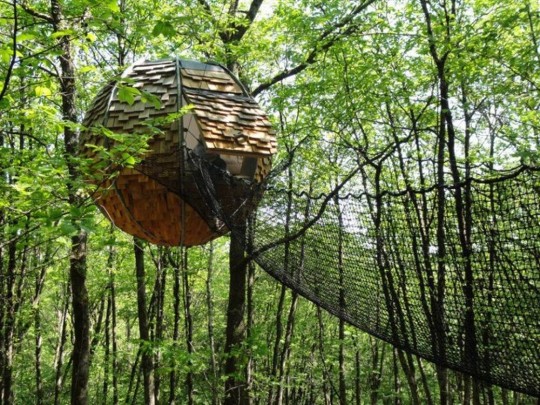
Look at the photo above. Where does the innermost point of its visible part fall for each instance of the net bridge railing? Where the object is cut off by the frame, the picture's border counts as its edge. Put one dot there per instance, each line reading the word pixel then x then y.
pixel 450 273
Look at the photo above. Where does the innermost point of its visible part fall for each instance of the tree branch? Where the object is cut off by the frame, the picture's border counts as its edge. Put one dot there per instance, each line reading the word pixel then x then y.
pixel 325 36
pixel 225 37
pixel 206 6
pixel 430 34
pixel 7 79
pixel 254 9
pixel 35 13
pixel 239 30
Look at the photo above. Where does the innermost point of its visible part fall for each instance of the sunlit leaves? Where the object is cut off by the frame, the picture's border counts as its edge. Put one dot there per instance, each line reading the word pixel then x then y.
pixel 164 28
pixel 127 94
pixel 63 33
pixel 42 91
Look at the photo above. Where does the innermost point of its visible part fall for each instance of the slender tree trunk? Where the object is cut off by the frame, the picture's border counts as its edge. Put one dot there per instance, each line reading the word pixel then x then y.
pixel 2 327
pixel 342 304
pixel 286 351
pixel 188 320
pixel 37 353
pixel 440 61
pixel 146 361
pixel 2 284
pixel 134 378
pixel 161 277
pixel 277 362
pixel 113 338
pixel 407 365
pixel 81 323
pixel 235 385
pixel 9 326
pixel 279 326
pixel 377 363
pixel 357 382
pixel 326 374
pixel 210 314
pixel 40 280
pixel 250 310
pixel 107 354
pixel 59 353
pixel 108 332
pixel 397 382
pixel 77 265
pixel 176 325
pixel 98 324
pixel 13 279
pixel 476 391
pixel 425 385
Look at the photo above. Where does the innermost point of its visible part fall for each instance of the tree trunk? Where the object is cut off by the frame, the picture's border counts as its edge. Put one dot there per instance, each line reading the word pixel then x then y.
pixel 357 383
pixel 377 362
pixel 427 390
pixel 342 304
pixel 326 374
pixel 285 354
pixel 113 339
pixel 77 262
pixel 37 353
pixel 2 326
pixel 176 326
pixel 59 353
pixel 235 385
pixel 9 326
pixel 439 316
pixel 278 328
pixel 107 354
pixel 276 361
pixel 146 361
pixel 250 314
pixel 397 382
pixel 188 320
pixel 109 334
pixel 40 280
pixel 161 277
pixel 81 323
pixel 210 309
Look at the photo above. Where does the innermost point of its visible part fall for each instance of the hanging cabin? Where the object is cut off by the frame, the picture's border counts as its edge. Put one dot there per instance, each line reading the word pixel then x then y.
pixel 158 199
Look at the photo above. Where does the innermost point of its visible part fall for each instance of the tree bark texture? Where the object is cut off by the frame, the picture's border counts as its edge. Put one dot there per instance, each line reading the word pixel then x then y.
pixel 146 356
pixel 235 385
pixel 77 264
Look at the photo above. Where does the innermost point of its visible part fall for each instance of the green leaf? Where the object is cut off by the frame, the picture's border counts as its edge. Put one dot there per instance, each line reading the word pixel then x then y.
pixel 130 161
pixel 67 228
pixel 164 28
pixel 62 33
pixel 86 69
pixel 150 98
pixel 113 6
pixel 42 91
pixel 127 94
pixel 25 36
pixel 91 37
pixel 5 55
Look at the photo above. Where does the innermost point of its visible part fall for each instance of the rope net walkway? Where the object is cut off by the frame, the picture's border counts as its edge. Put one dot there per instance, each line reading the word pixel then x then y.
pixel 461 290
pixel 372 261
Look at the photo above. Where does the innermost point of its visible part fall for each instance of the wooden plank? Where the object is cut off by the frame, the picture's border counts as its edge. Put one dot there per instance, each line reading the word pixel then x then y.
pixel 220 74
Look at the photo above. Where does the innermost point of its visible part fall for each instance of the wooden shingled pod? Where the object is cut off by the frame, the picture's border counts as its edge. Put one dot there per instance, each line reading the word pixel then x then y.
pixel 157 200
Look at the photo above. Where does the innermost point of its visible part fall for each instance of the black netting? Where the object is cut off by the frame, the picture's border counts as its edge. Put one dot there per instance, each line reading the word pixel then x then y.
pixel 459 286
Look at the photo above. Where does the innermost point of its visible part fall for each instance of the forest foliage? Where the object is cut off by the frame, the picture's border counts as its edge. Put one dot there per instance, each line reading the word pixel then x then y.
pixel 87 315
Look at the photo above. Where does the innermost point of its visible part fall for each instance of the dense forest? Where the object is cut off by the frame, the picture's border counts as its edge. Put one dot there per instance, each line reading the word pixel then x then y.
pixel 405 94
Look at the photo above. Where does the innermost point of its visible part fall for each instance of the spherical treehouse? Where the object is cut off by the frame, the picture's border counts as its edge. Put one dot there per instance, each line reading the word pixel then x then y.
pixel 159 199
